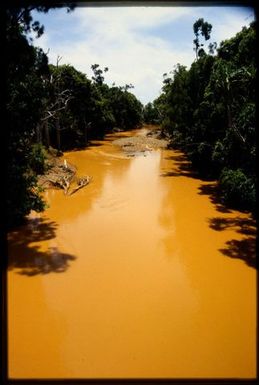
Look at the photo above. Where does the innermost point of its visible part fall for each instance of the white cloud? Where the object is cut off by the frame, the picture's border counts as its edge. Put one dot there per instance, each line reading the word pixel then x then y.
pixel 118 38
pixel 130 18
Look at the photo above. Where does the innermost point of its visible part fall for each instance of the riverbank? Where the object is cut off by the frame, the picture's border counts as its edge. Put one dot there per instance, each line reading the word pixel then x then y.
pixel 60 173
pixel 57 171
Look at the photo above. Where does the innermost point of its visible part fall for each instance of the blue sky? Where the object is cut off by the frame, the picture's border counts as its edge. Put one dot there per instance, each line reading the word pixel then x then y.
pixel 137 44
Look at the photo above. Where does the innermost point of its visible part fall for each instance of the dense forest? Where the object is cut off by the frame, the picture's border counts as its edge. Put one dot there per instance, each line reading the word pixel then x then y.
pixel 51 106
pixel 209 112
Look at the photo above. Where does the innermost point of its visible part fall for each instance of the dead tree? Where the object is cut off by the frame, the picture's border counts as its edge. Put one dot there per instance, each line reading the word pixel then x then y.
pixel 52 109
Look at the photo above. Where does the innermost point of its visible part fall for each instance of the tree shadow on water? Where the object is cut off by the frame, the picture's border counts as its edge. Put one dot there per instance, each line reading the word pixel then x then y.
pixel 246 226
pixel 245 248
pixel 28 259
pixel 212 190
pixel 181 166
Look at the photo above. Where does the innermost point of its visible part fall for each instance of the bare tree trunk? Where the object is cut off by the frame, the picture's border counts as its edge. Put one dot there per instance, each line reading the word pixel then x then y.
pixel 231 124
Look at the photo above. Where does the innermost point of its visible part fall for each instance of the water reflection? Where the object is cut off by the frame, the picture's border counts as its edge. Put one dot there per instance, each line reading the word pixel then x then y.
pixel 100 165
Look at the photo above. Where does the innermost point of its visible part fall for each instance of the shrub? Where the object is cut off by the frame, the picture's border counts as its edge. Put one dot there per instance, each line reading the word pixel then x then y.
pixel 37 159
pixel 237 189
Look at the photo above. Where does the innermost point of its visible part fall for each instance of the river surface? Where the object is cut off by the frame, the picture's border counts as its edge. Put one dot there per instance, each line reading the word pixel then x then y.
pixel 142 273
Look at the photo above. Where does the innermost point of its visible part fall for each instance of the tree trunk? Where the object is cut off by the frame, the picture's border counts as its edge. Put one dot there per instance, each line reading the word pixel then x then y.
pixel 230 120
pixel 58 134
pixel 232 126
pixel 86 136
pixel 46 128
pixel 38 134
pixel 86 132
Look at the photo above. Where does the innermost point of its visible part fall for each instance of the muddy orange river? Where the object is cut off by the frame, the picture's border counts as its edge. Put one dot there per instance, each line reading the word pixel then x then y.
pixel 140 274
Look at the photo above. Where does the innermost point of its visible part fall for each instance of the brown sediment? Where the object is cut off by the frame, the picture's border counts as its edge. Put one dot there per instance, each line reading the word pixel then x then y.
pixel 141 143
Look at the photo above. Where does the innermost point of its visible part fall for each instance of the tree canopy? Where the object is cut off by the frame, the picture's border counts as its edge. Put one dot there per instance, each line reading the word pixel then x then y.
pixel 51 105
pixel 209 112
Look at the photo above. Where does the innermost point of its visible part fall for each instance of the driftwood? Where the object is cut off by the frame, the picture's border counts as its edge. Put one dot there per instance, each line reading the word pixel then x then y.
pixel 64 183
pixel 61 182
pixel 62 175
pixel 80 184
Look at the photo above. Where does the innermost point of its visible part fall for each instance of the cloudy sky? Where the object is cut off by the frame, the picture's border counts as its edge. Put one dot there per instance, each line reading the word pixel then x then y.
pixel 137 44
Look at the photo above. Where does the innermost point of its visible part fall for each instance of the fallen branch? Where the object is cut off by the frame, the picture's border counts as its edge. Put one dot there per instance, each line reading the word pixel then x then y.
pixel 61 182
pixel 66 183
pixel 80 184
pixel 63 175
pixel 59 175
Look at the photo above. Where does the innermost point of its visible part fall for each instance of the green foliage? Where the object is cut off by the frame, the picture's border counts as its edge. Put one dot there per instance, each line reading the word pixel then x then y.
pixel 151 114
pixel 177 100
pixel 240 49
pixel 237 189
pixel 209 112
pixel 202 28
pixel 87 109
pixel 125 107
pixel 37 159
pixel 56 106
pixel 98 78
pixel 26 66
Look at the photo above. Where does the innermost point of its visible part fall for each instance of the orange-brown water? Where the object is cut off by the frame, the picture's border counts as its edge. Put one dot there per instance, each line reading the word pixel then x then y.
pixel 139 274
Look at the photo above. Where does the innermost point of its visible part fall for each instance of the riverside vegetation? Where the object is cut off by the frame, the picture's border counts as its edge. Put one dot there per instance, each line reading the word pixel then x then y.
pixel 208 111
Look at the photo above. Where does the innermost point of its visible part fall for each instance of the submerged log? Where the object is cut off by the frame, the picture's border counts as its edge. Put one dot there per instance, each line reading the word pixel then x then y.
pixel 80 184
